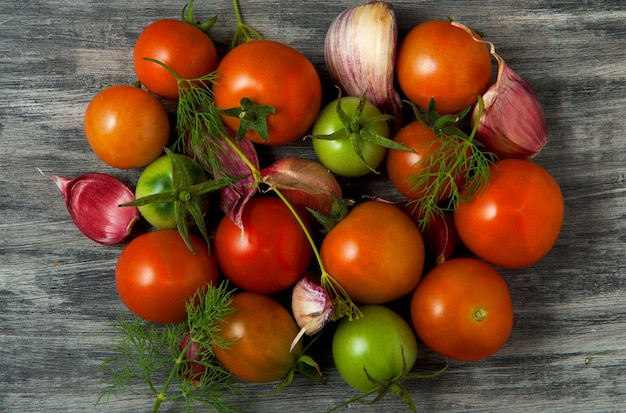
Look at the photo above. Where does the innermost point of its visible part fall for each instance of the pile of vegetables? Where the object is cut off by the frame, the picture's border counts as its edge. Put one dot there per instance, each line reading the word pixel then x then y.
pixel 242 263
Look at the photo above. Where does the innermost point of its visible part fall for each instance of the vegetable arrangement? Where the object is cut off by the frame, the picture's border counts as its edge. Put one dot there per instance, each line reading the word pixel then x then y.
pixel 247 263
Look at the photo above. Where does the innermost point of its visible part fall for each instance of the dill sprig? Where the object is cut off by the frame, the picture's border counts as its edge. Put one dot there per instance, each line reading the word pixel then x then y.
pixel 152 354
pixel 455 168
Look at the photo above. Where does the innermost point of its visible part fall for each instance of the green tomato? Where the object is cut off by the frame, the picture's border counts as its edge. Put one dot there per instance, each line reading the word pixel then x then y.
pixel 339 155
pixel 156 178
pixel 381 343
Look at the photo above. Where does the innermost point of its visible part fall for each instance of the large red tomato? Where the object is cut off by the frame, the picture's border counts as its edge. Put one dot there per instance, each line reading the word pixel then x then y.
pixel 183 47
pixel 261 331
pixel 156 274
pixel 462 309
pixel 439 60
pixel 376 253
pixel 270 73
pixel 516 219
pixel 269 253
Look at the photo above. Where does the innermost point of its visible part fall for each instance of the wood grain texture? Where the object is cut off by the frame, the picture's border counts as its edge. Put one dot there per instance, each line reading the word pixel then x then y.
pixel 567 352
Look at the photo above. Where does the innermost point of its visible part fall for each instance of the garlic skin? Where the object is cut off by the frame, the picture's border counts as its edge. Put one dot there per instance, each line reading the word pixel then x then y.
pixel 360 54
pixel 93 200
pixel 304 182
pixel 311 306
pixel 513 124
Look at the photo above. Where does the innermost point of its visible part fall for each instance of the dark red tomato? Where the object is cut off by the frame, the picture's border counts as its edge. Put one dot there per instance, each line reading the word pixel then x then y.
pixel 156 275
pixel 516 219
pixel 270 73
pixel 462 309
pixel 376 253
pixel 439 60
pixel 269 253
pixel 186 49
pixel 404 167
pixel 126 126
pixel 261 331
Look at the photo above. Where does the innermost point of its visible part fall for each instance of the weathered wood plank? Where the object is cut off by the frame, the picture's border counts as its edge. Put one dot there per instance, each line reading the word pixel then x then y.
pixel 57 293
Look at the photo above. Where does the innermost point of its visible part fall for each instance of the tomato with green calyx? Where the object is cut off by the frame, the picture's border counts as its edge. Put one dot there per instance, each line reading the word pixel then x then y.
pixel 261 331
pixel 269 252
pixel 438 60
pixel 462 309
pixel 274 76
pixel 375 353
pixel 351 136
pixel 156 274
pixel 126 126
pixel 173 189
pixel 516 220
pixel 376 253
pixel 182 45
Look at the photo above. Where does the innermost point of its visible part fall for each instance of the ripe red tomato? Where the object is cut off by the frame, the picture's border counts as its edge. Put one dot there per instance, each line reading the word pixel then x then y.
pixel 186 49
pixel 516 219
pixel 269 253
pixel 270 73
pixel 439 60
pixel 261 331
pixel 462 309
pixel 156 274
pixel 126 126
pixel 404 166
pixel 376 253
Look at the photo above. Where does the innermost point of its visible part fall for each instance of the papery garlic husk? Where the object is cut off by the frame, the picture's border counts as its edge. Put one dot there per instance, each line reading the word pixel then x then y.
pixel 513 123
pixel 304 182
pixel 311 306
pixel 360 54
pixel 93 201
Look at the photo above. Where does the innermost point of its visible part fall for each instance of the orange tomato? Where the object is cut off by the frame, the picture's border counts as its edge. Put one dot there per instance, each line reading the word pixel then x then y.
pixel 376 253
pixel 439 60
pixel 126 126
pixel 462 309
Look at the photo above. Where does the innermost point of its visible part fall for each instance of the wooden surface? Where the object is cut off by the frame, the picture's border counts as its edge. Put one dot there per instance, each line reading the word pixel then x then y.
pixel 567 351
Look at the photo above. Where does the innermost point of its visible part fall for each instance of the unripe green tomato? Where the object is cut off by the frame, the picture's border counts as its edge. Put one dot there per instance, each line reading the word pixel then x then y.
pixel 339 155
pixel 157 178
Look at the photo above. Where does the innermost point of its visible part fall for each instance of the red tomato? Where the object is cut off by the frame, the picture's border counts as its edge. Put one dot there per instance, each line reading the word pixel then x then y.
pixel 404 166
pixel 439 60
pixel 126 126
pixel 376 253
pixel 462 309
pixel 156 275
pixel 516 219
pixel 186 49
pixel 262 331
pixel 270 73
pixel 269 253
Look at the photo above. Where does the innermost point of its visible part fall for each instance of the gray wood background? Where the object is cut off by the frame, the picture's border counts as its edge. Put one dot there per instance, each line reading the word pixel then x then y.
pixel 567 351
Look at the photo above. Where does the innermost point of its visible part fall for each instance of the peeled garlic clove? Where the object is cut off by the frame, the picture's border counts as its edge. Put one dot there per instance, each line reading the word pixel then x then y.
pixel 304 182
pixel 360 54
pixel 311 306
pixel 93 200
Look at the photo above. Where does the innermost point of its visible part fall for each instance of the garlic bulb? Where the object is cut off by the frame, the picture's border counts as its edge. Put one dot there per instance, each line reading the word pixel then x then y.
pixel 311 306
pixel 360 53
pixel 93 201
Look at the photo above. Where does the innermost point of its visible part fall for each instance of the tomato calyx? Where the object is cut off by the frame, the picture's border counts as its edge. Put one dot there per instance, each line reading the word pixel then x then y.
pixel 395 385
pixel 358 128
pixel 252 117
pixel 458 162
pixel 186 16
pixel 184 197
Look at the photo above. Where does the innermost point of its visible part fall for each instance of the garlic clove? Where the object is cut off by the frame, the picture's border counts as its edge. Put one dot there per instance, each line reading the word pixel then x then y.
pixel 93 200
pixel 360 54
pixel 513 123
pixel 304 182
pixel 311 306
